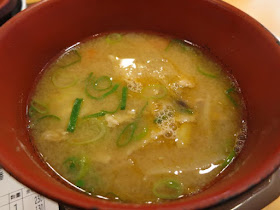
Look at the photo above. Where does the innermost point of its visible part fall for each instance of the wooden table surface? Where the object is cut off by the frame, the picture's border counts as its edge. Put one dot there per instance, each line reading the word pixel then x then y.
pixel 266 12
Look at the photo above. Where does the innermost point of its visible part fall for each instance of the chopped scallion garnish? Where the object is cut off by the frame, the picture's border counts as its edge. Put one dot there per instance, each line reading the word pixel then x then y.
pixel 229 159
pixel 102 83
pixel 80 183
pixel 128 132
pixel 87 131
pixel 101 113
pixel 113 38
pixel 39 107
pixel 168 189
pixel 142 134
pixel 74 114
pixel 95 115
pixel 48 116
pixel 206 73
pixel 78 167
pixel 188 111
pixel 142 110
pixel 126 135
pixel 63 79
pixel 31 111
pixel 90 81
pixel 73 57
pixel 228 93
pixel 178 42
pixel 124 98
pixel 114 89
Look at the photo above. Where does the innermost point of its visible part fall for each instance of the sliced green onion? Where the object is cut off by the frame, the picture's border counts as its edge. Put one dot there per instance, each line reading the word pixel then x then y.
pixel 206 73
pixel 228 94
pixel 229 144
pixel 95 115
pixel 80 183
pixel 73 57
pixel 126 135
pixel 113 38
pixel 102 83
pixel 78 167
pixel 48 116
pixel 71 163
pixel 74 114
pixel 188 111
pixel 124 98
pixel 154 91
pixel 142 134
pixel 101 113
pixel 179 42
pixel 229 159
pixel 31 111
pixel 46 123
pixel 88 82
pixel 39 107
pixel 142 110
pixel 63 79
pixel 168 189
pixel 114 89
pixel 128 132
pixel 87 131
pixel 104 95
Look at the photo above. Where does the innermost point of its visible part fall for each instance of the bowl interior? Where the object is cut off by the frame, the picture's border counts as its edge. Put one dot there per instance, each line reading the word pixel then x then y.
pixel 248 51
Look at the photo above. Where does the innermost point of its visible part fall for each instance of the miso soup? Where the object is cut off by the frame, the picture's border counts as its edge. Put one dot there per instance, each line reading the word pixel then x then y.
pixel 137 118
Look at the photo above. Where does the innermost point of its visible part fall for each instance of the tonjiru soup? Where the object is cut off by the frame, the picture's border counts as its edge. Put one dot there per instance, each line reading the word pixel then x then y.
pixel 136 117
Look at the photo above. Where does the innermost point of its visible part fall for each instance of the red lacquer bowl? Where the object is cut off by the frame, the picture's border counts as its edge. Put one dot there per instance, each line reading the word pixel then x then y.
pixel 6 6
pixel 30 39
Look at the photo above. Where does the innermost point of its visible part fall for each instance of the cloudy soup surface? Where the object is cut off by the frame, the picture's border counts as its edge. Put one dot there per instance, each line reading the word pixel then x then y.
pixel 137 118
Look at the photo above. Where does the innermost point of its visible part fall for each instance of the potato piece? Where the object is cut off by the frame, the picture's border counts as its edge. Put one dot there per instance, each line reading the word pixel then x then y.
pixel 119 118
pixel 184 135
pixel 54 135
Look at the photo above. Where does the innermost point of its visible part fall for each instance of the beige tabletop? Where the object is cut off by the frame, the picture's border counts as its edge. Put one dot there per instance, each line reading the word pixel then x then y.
pixel 266 12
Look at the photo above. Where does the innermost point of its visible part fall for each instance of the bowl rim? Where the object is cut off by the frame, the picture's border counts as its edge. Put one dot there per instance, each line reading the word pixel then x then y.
pixel 272 164
pixel 6 6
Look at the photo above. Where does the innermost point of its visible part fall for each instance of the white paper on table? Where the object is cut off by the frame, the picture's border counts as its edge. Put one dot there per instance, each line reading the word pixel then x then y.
pixel 15 196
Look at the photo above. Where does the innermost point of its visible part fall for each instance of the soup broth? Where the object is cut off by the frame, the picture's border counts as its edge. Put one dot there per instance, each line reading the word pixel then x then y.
pixel 136 117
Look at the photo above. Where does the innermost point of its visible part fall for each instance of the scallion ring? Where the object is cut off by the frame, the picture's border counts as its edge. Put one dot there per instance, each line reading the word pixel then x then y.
pixel 206 73
pixel 124 98
pixel 229 159
pixel 48 116
pixel 78 167
pixel 168 189
pixel 228 93
pixel 113 38
pixel 88 83
pixel 39 107
pixel 102 83
pixel 73 57
pixel 62 79
pixel 74 114
pixel 87 131
pixel 126 135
